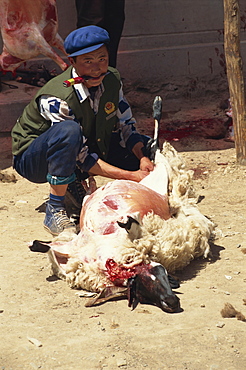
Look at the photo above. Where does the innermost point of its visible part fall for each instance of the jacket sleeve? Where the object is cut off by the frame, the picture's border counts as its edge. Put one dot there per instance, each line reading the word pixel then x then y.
pixel 126 124
pixel 57 110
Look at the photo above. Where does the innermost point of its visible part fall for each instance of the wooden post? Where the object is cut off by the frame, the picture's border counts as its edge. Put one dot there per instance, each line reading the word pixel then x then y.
pixel 235 75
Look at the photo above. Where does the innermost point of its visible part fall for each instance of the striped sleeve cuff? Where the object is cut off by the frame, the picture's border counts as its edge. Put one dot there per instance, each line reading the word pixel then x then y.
pixel 88 162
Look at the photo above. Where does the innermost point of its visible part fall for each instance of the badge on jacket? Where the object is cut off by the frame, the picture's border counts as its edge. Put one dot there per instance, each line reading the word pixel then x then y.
pixel 109 107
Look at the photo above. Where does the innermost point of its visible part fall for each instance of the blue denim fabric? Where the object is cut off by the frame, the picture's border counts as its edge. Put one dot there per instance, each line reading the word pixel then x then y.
pixel 53 152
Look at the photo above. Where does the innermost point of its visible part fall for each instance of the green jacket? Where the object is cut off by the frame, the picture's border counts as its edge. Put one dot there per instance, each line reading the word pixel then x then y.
pixel 96 128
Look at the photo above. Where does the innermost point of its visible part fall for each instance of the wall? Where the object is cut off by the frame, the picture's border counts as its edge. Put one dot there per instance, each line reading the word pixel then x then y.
pixel 168 42
pixel 176 42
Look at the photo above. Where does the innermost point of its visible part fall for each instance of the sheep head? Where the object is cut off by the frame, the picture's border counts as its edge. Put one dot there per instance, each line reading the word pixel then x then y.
pixel 151 286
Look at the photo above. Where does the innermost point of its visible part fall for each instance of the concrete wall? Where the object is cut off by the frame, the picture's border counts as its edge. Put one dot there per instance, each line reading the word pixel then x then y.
pixel 166 41
pixel 173 39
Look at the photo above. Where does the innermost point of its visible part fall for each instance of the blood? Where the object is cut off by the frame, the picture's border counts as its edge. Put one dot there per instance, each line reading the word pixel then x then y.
pixel 111 203
pixel 117 272
pixel 61 260
pixel 191 128
pixel 177 134
pixel 110 229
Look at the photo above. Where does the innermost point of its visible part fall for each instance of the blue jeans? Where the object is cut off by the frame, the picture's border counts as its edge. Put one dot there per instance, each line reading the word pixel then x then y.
pixel 54 152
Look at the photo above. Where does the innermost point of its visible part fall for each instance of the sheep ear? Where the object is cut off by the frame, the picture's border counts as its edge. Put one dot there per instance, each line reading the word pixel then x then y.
pixel 132 226
pixel 128 224
pixel 131 293
pixel 174 284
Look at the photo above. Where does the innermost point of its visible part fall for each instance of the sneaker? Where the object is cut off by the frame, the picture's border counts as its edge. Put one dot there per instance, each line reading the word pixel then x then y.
pixel 75 193
pixel 56 221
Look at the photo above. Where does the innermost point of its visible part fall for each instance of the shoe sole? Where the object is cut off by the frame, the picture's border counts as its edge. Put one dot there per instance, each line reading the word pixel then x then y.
pixel 56 234
pixel 47 229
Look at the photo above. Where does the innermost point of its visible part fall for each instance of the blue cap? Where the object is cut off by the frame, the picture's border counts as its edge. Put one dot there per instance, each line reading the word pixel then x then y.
pixel 85 39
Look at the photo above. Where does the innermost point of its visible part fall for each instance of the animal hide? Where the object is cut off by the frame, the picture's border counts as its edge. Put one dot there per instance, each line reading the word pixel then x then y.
pixel 172 238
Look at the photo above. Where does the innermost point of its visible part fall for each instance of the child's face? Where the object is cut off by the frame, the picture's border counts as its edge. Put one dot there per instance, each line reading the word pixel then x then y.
pixel 94 64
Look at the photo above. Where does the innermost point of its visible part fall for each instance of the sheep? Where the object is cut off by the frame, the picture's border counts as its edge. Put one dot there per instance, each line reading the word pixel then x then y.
pixel 172 241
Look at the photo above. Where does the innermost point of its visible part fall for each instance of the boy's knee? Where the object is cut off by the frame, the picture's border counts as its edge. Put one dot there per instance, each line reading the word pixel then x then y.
pixel 69 133
pixel 69 129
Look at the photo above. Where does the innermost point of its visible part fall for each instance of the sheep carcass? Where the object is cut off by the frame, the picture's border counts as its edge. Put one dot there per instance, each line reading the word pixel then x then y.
pixel 126 227
pixel 29 28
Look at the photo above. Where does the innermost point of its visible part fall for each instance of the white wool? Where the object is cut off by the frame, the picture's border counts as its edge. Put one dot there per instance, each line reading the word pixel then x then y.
pixel 173 243
pixel 177 241
pixel 86 269
pixel 158 180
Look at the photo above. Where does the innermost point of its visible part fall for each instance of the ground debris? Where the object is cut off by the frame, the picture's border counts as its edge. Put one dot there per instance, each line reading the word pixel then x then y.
pixel 220 324
pixel 7 177
pixel 229 311
pixel 35 341
pixel 121 361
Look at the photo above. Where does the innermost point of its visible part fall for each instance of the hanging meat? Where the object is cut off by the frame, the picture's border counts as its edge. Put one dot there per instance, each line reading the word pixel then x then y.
pixel 29 28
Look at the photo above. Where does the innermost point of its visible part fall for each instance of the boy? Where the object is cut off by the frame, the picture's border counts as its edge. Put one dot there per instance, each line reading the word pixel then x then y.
pixel 66 134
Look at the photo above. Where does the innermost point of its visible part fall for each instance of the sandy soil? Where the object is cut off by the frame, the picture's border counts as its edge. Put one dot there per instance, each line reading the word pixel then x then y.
pixel 44 324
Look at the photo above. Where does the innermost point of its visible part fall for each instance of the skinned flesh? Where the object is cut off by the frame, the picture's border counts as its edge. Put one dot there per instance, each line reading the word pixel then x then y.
pixel 102 245
pixel 29 28
pixel 108 249
pixel 100 237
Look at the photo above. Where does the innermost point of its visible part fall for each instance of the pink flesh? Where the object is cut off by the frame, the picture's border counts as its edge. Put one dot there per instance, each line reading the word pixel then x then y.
pixel 29 28
pixel 107 205
pixel 117 200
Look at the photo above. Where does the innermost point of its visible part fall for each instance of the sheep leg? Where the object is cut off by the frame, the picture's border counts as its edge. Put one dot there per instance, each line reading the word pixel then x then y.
pixel 46 49
pixel 57 42
pixel 8 62
pixel 106 294
pixel 55 267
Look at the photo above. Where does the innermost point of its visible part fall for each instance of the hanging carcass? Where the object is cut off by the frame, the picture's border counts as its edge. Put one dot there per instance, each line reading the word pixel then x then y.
pixel 29 28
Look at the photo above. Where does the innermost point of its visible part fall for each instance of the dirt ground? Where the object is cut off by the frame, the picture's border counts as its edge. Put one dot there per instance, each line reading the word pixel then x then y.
pixel 44 324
